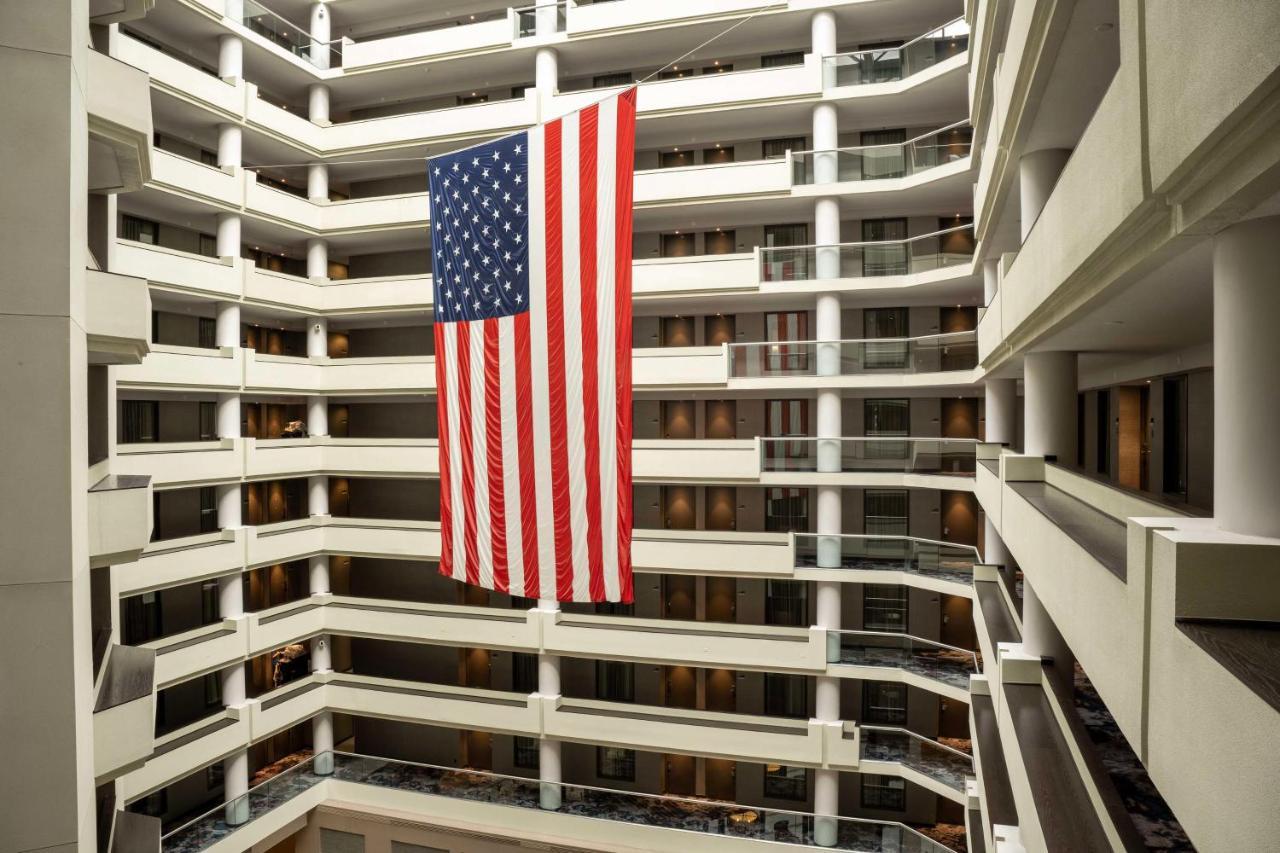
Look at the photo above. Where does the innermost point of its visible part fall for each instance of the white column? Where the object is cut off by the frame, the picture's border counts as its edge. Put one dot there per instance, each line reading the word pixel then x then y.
pixel 1049 422
pixel 229 146
pixel 1037 174
pixel 320 36
pixel 228 236
pixel 320 659
pixel 317 416
pixel 317 347
pixel 1002 411
pixel 990 279
pixel 229 509
pixel 319 575
pixel 235 787
pixel 318 495
pixel 230 58
pixel 996 553
pixel 1246 396
pixel 322 742
pixel 318 182
pixel 546 71
pixel 317 259
pixel 227 414
pixel 317 337
pixel 318 103
pixel 549 772
pixel 822 31
pixel 227 326
pixel 231 603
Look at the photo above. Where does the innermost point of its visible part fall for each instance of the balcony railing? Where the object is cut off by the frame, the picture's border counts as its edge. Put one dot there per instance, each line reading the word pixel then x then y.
pixel 946 248
pixel 926 557
pixel 293 38
pixel 887 64
pixel 938 661
pixel 925 354
pixel 928 757
pixel 690 815
pixel 880 162
pixel 551 16
pixel 946 456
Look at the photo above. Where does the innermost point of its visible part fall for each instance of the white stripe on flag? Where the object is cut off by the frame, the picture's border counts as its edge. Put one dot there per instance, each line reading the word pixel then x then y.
pixel 574 419
pixel 538 364
pixel 480 456
pixel 606 235
pixel 510 455
pixel 456 499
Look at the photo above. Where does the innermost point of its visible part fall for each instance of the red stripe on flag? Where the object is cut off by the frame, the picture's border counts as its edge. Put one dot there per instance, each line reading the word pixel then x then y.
pixel 442 420
pixel 493 432
pixel 588 127
pixel 555 367
pixel 624 179
pixel 466 450
pixel 524 448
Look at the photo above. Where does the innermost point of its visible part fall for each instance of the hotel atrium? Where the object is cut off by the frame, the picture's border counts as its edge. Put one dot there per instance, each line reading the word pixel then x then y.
pixel 956 479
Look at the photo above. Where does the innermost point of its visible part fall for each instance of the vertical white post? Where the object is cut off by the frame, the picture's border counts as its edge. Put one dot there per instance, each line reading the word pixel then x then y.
pixel 229 146
pixel 318 104
pixel 319 51
pixel 546 71
pixel 322 742
pixel 1037 174
pixel 317 259
pixel 235 786
pixel 318 495
pixel 230 58
pixel 227 239
pixel 1049 421
pixel 318 182
pixel 1002 412
pixel 319 575
pixel 1246 351
pixel 227 413
pixel 227 325
pixel 549 770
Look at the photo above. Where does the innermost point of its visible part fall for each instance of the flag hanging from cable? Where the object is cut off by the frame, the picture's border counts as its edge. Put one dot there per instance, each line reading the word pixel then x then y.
pixel 531 247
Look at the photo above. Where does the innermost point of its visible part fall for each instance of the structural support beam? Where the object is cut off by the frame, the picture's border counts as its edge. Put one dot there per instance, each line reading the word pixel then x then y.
pixel 1049 419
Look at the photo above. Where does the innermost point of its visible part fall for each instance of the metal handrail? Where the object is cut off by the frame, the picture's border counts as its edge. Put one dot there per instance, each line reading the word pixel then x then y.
pixel 964 122
pixel 969 334
pixel 902 46
pixel 951 230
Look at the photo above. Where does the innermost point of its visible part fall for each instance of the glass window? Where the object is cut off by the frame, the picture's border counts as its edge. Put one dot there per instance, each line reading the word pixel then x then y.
pixel 208 420
pixel 884 703
pixel 141 230
pixel 776 149
pixel 786 509
pixel 780 60
pixel 209 604
pixel 616 763
pixel 887 418
pixel 885 323
pixel 785 783
pixel 885 512
pixel 888 259
pixel 615 681
pixel 884 607
pixel 526 752
pixel 138 421
pixel 883 162
pixel 786 602
pixel 208 509
pixel 213 690
pixel 883 792
pixel 620 78
pixel 786 695
pixel 524 672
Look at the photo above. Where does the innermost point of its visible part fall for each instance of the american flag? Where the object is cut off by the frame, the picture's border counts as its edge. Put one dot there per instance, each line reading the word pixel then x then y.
pixel 531 245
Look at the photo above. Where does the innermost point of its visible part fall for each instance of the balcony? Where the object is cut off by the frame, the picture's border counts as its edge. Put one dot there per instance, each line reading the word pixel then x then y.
pixel 932 765
pixel 893 64
pixel 182 368
pixel 118 101
pixel 119 519
pixel 852 263
pixel 451 40
pixel 899 161
pixel 928 360
pixel 186 271
pixel 946 463
pixel 635 820
pixel 888 656
pixel 887 559
pixel 124 713
pixel 117 318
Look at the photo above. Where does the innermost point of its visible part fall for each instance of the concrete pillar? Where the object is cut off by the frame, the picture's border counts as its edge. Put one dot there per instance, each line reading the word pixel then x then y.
pixel 228 236
pixel 1246 397
pixel 235 787
pixel 319 575
pixel 227 326
pixel 317 416
pixel 822 31
pixel 990 279
pixel 228 495
pixel 229 146
pixel 1040 638
pixel 546 71
pixel 826 138
pixel 230 58
pixel 996 554
pixel 317 261
pixel 1037 174
pixel 318 103
pixel 322 742
pixel 318 182
pixel 231 599
pixel 320 52
pixel 318 495
pixel 317 336
pixel 549 774
pixel 1049 421
pixel 227 414
pixel 320 658
pixel 1002 411
pixel 826 805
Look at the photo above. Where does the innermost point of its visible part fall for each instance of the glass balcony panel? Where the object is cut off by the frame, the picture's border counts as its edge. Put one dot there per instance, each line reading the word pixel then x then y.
pixel 879 162
pixel 552 15
pixel 926 557
pixel 291 37
pixel 947 248
pixel 946 765
pixel 937 661
pixel 926 354
pixel 888 64
pixel 948 456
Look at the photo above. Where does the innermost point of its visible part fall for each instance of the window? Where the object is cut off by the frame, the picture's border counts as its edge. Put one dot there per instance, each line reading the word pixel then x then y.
pixel 884 607
pixel 615 608
pixel 886 418
pixel 524 672
pixel 616 763
pixel 620 78
pixel 615 681
pixel 722 68
pixel 525 752
pixel 885 323
pixel 154 804
pixel 884 512
pixel 138 421
pixel 786 695
pixel 141 620
pixel 675 73
pixel 886 158
pixel 786 509
pixel 786 602
pixel 785 783
pixel 883 792
pixel 780 60
pixel 884 703
pixel 213 690
pixel 209 605
pixel 781 327
pixel 888 259
pixel 141 230
pixel 208 509
pixel 208 417
pixel 206 332
pixel 776 149
pixel 208 246
pixel 782 263
pixel 783 419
